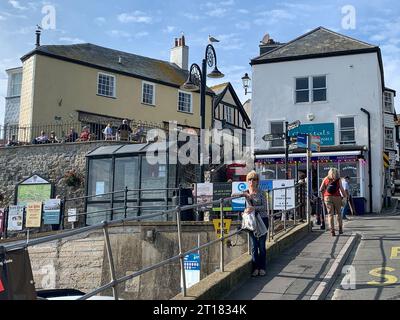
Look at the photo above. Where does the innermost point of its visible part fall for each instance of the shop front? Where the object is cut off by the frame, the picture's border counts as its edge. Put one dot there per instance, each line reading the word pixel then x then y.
pixel 349 163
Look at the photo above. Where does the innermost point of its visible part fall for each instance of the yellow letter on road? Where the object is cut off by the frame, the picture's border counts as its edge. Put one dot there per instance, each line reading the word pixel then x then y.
pixel 395 253
pixel 380 273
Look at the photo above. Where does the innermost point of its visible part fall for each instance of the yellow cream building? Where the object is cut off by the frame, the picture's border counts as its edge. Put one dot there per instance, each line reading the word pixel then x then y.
pixel 65 83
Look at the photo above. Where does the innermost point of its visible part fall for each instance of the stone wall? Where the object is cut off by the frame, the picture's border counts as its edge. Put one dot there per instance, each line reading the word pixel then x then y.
pixel 81 263
pixel 51 161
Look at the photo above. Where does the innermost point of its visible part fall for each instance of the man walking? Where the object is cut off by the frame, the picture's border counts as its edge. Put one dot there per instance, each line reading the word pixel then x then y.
pixel 346 196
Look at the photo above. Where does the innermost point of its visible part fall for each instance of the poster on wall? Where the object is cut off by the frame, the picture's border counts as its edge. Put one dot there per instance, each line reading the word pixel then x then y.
pixel 15 218
pixel 51 211
pixel 33 215
pixel 240 203
pixel 266 185
pixel 222 190
pixel 192 269
pixel 279 195
pixel 204 194
pixel 2 217
pixel 72 217
pixel 33 193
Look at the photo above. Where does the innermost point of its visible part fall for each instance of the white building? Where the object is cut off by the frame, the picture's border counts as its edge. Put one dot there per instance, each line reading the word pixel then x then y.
pixel 324 79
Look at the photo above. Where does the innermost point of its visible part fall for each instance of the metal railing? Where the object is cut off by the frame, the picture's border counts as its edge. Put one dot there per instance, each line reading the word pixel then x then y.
pixel 26 134
pixel 179 257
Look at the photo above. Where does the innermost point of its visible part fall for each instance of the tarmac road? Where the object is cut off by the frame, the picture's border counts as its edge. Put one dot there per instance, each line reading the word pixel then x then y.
pixel 374 272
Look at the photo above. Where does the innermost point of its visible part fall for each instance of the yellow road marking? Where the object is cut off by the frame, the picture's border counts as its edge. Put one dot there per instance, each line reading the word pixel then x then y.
pixel 379 272
pixel 395 253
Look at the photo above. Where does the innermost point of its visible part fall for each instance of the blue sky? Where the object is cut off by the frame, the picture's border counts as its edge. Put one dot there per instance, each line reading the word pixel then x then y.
pixel 149 27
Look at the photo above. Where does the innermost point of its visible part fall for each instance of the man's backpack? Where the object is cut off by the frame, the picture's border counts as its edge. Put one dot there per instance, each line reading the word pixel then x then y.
pixel 332 186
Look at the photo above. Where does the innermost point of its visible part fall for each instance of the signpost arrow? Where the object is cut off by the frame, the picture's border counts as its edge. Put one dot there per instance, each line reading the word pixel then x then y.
pixel 272 137
pixel 293 125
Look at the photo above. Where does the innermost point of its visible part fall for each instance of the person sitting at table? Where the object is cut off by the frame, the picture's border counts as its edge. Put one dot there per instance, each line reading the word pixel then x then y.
pixel 12 142
pixel 72 137
pixel 53 138
pixel 85 135
pixel 43 138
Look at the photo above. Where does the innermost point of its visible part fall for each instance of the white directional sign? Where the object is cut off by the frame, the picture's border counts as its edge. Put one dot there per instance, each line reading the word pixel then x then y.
pixel 272 137
pixel 294 125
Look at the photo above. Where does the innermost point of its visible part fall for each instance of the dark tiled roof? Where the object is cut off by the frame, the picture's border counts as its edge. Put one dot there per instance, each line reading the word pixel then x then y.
pixel 317 42
pixel 131 64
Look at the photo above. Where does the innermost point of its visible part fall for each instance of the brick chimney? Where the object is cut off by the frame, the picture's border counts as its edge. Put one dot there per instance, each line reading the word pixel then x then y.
pixel 267 44
pixel 180 53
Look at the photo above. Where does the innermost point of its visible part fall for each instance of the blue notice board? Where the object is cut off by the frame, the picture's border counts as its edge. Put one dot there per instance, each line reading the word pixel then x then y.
pixel 325 130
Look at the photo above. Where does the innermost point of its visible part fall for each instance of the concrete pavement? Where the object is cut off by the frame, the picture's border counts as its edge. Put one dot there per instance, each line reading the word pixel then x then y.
pixel 299 271
pixel 375 263
pixel 296 274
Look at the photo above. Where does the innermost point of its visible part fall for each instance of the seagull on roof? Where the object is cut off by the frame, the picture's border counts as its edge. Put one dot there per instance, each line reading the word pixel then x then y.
pixel 211 39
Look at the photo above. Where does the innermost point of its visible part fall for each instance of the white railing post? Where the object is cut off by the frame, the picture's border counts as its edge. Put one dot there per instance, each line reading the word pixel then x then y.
pixel 221 246
pixel 181 258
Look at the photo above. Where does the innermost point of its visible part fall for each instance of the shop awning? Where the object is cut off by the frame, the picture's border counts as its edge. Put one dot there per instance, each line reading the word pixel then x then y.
pixel 314 154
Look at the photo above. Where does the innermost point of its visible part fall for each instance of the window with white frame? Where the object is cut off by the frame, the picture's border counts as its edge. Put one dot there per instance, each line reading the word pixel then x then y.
pixel 319 88
pixel 106 85
pixel 148 93
pixel 302 90
pixel 16 83
pixel 389 138
pixel 229 114
pixel 185 102
pixel 347 132
pixel 311 89
pixel 387 101
pixel 277 128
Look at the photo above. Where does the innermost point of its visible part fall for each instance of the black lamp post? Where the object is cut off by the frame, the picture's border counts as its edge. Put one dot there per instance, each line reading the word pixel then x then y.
pixel 246 83
pixel 197 79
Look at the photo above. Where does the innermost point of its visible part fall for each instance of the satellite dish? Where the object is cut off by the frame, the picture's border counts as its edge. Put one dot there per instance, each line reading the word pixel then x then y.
pixel 266 38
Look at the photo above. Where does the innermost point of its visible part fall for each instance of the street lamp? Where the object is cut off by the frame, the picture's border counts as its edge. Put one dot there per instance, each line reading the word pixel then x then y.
pixel 197 78
pixel 246 83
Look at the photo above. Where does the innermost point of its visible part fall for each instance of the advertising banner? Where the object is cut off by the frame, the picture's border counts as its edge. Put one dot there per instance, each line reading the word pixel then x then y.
pixel 192 269
pixel 204 194
pixel 226 228
pixel 72 217
pixel 15 218
pixel 2 217
pixel 52 211
pixel 16 279
pixel 279 195
pixel 222 190
pixel 34 215
pixel 240 203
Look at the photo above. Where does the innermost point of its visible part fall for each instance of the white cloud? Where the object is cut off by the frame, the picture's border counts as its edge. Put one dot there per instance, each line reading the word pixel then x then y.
pixel 118 34
pixel 136 17
pixel 192 17
pixel 17 5
pixel 217 12
pixel 243 25
pixel 2 18
pixel 169 29
pixel 71 40
pixel 243 11
pixel 228 3
pixel 100 21
pixel 141 34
